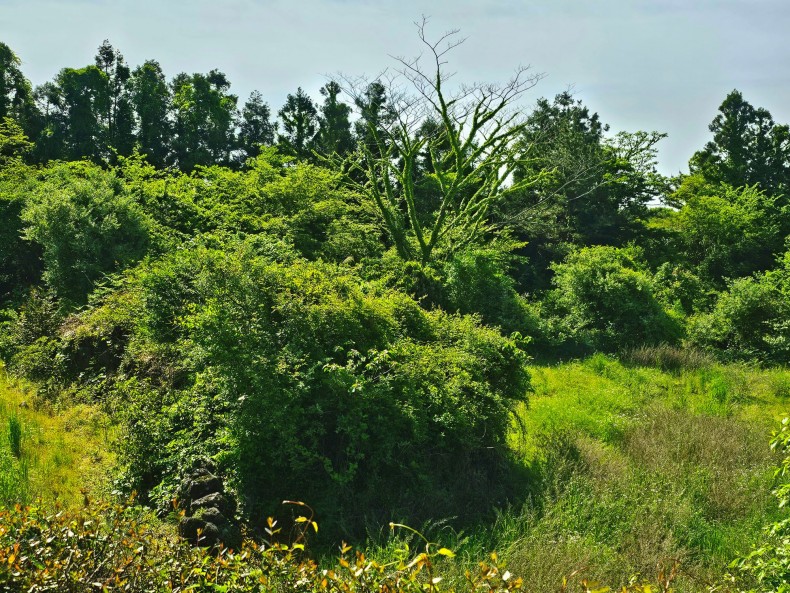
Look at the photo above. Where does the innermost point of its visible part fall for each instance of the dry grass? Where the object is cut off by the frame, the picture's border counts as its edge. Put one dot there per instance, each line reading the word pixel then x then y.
pixel 725 455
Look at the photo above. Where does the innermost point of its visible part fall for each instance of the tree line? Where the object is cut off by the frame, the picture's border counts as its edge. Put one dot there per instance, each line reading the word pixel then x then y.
pixel 107 109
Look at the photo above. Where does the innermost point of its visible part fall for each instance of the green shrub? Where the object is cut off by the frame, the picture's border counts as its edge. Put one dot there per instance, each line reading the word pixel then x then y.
pixel 677 287
pixel 603 300
pixel 748 322
pixel 767 567
pixel 729 232
pixel 87 225
pixel 357 399
pixel 20 261
pixel 474 281
pixel 477 281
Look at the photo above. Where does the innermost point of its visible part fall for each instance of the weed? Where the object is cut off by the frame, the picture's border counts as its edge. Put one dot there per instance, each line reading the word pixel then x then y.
pixel 15 435
pixel 669 358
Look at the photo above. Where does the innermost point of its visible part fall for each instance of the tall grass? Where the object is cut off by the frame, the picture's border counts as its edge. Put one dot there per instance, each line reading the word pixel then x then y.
pixel 671 359
pixel 636 471
pixel 15 435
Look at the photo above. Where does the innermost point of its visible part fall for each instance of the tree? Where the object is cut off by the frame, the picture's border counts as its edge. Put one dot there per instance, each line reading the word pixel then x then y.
pixel 50 142
pixel 117 112
pixel 748 148
pixel 299 119
pixel 374 112
pixel 255 129
pixel 84 95
pixel 87 112
pixel 479 126
pixel 150 97
pixel 16 94
pixel 334 132
pixel 204 116
pixel 727 232
pixel 589 189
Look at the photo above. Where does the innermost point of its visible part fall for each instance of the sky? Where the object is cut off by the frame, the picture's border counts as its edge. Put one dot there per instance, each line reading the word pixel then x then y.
pixel 661 65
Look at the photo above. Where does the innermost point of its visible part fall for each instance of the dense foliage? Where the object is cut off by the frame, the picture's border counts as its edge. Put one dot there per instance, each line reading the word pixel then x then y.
pixel 358 399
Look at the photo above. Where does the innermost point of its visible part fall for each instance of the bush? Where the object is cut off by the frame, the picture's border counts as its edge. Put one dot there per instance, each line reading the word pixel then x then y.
pixel 732 233
pixel 603 300
pixel 356 399
pixel 678 288
pixel 87 226
pixel 474 281
pixel 20 261
pixel 477 281
pixel 748 322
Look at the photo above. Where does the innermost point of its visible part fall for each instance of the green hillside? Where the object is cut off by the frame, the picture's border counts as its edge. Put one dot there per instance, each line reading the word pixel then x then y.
pixel 471 343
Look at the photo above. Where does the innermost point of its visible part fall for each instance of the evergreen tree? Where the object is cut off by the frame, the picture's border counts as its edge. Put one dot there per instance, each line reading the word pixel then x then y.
pixel 748 147
pixel 374 116
pixel 204 114
pixel 334 133
pixel 299 124
pixel 118 113
pixel 16 94
pixel 255 128
pixel 84 96
pixel 50 142
pixel 150 98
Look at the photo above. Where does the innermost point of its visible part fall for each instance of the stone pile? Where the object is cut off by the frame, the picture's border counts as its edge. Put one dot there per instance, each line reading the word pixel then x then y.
pixel 209 508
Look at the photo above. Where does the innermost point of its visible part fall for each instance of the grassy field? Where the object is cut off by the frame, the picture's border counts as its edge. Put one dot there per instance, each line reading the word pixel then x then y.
pixel 639 473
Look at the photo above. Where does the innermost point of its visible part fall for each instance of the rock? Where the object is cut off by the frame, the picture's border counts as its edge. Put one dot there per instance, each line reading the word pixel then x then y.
pixel 225 504
pixel 202 495
pixel 212 515
pixel 209 536
pixel 188 528
pixel 203 486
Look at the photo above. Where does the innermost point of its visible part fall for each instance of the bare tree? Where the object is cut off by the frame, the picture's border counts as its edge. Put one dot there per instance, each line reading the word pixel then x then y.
pixel 471 147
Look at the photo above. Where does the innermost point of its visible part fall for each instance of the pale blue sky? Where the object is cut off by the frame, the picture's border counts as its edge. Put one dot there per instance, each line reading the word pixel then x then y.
pixel 655 65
